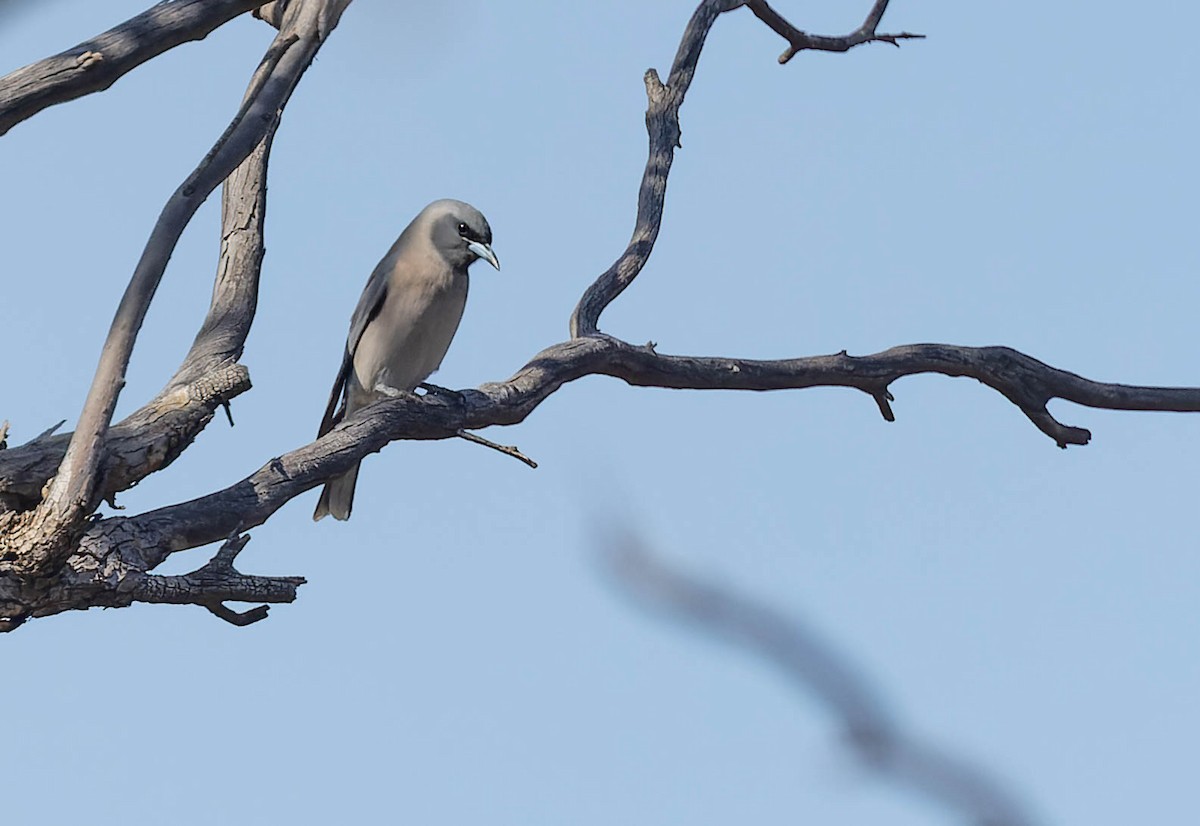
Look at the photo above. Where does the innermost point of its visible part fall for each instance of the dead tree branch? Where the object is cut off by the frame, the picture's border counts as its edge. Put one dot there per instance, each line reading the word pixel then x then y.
pixel 96 64
pixel 85 563
pixel 876 739
pixel 802 41
pixel 73 491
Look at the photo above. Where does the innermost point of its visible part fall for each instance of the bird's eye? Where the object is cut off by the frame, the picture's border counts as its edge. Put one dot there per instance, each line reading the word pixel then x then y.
pixel 463 230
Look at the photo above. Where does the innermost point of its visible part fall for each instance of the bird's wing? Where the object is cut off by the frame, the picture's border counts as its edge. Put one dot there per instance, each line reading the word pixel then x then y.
pixel 368 306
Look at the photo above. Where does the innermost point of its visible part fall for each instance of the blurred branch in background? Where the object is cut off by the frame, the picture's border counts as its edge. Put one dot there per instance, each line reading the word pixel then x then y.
pixel 874 737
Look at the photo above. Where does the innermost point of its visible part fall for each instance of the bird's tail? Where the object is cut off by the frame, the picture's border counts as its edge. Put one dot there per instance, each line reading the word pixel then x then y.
pixel 337 497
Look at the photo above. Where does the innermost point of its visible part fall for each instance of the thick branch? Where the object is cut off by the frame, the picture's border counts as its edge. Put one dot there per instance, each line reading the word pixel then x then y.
pixel 156 434
pixel 96 64
pixel 72 494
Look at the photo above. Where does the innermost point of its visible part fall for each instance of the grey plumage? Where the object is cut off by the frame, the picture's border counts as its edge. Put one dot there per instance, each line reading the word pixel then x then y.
pixel 404 321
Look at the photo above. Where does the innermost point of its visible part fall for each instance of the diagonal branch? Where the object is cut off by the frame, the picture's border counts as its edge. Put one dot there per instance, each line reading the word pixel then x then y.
pixel 96 64
pixel 72 493
pixel 875 738
pixel 156 434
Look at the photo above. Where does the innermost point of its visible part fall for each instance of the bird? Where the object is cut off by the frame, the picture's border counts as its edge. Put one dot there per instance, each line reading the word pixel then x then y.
pixel 404 322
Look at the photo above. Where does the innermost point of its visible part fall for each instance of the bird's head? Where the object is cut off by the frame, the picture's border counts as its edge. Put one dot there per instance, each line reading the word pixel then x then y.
pixel 460 233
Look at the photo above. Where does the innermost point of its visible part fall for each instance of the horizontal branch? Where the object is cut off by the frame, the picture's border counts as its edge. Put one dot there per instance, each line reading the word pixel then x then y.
pixel 109 569
pixel 1022 379
pixel 800 41
pixel 96 64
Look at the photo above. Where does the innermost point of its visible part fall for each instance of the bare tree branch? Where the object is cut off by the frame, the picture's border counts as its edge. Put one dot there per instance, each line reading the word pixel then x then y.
pixel 73 490
pixel 156 434
pixel 218 582
pixel 662 124
pixel 96 64
pixel 106 562
pixel 802 41
pixel 874 737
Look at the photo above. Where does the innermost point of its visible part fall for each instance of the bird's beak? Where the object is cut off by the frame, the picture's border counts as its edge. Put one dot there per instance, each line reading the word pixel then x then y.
pixel 485 252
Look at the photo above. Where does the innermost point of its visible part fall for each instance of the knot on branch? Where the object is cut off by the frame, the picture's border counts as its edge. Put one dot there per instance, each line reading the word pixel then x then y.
pixel 213 388
pixel 220 385
pixel 89 59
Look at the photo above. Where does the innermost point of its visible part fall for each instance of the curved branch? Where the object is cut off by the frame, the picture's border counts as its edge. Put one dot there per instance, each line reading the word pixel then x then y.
pixel 96 64
pixel 662 125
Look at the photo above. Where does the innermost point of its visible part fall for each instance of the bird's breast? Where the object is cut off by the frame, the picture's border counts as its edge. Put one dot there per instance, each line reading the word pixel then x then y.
pixel 409 336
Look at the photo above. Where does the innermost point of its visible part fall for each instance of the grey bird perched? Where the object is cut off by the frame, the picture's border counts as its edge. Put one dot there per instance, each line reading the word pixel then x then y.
pixel 404 321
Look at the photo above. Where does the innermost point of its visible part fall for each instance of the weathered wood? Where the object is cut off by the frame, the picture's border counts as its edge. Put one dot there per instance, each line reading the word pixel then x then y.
pixel 96 64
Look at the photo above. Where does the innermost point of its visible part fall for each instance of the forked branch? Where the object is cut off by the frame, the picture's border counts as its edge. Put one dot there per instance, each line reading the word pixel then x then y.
pixel 110 559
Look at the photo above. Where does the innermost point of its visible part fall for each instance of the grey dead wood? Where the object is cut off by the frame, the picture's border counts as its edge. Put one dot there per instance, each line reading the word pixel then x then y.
pixel 96 64
pixel 108 561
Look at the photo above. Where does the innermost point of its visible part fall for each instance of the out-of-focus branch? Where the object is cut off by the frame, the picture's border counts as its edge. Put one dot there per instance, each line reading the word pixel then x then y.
pixel 874 737
pixel 72 493
pixel 96 64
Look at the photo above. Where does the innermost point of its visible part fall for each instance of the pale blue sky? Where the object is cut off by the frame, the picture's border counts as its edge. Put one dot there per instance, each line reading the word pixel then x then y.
pixel 1026 176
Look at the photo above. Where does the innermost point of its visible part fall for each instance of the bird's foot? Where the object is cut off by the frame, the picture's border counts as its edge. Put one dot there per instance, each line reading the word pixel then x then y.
pixel 452 396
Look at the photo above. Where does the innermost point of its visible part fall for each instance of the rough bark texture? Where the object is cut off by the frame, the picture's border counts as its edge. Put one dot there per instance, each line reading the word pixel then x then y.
pixel 96 64
pixel 54 556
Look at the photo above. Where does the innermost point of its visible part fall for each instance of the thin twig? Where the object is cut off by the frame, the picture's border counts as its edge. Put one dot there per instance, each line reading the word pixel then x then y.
pixel 47 433
pixel 239 618
pixel 507 450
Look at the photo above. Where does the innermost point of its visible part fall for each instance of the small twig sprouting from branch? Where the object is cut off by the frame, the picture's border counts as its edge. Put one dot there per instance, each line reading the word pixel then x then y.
pixel 877 740
pixel 47 433
pixel 507 450
pixel 218 582
pixel 803 41
pixel 239 618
